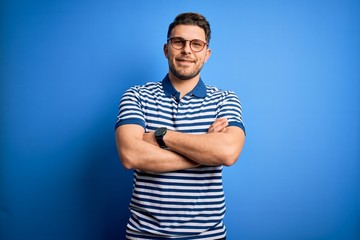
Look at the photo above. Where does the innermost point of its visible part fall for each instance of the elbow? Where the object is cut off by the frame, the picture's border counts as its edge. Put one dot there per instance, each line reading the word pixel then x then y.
pixel 127 146
pixel 230 156
pixel 232 152
pixel 126 164
pixel 229 161
pixel 127 160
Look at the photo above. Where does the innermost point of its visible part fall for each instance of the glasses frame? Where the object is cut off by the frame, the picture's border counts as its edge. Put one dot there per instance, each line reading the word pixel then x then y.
pixel 184 43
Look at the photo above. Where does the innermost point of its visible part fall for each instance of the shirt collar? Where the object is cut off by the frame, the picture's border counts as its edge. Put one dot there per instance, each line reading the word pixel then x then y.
pixel 198 91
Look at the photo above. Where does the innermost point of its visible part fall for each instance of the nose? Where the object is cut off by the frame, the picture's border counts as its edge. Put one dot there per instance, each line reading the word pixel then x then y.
pixel 186 48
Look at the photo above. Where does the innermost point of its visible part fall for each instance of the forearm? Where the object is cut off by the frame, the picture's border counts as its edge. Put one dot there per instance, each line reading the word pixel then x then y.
pixel 137 154
pixel 154 159
pixel 217 148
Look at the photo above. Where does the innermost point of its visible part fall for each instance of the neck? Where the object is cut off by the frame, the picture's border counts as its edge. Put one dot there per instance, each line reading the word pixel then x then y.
pixel 183 86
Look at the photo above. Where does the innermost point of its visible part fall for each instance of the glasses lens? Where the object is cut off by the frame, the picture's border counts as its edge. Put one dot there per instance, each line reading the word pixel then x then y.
pixel 197 45
pixel 177 43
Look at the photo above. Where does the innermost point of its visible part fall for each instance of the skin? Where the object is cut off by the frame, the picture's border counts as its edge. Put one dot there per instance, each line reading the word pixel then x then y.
pixel 221 145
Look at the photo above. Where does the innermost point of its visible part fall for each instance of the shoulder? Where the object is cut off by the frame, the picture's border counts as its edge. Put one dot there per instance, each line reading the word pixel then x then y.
pixel 150 89
pixel 213 91
pixel 149 86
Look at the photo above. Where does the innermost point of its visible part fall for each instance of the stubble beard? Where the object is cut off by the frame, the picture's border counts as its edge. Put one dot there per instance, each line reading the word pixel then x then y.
pixel 183 76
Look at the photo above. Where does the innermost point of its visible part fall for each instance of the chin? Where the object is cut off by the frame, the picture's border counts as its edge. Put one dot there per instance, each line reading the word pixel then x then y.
pixel 184 76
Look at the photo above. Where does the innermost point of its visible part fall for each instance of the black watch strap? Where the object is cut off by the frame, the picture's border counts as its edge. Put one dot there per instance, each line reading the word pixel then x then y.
pixel 159 135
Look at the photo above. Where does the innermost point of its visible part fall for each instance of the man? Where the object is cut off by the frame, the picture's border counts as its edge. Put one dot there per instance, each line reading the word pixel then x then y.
pixel 177 135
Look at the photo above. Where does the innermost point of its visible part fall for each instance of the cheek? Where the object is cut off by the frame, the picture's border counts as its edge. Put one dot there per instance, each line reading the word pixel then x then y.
pixel 170 55
pixel 202 59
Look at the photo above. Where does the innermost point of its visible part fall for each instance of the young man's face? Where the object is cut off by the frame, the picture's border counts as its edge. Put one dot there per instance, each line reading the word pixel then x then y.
pixel 186 63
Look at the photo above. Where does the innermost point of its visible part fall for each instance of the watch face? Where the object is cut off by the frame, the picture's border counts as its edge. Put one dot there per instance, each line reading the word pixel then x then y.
pixel 160 132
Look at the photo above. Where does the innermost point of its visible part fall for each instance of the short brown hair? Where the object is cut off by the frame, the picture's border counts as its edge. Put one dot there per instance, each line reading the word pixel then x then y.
pixel 191 18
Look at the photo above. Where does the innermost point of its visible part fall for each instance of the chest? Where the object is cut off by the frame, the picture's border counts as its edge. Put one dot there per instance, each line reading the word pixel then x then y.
pixel 189 114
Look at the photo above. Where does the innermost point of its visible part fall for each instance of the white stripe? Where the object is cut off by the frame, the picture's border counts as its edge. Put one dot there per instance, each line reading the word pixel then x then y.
pixel 193 207
pixel 202 198
pixel 169 187
pixel 180 219
pixel 190 181
pixel 189 174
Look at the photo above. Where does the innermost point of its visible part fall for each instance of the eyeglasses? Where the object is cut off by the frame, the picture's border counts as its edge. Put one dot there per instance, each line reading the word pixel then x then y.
pixel 179 43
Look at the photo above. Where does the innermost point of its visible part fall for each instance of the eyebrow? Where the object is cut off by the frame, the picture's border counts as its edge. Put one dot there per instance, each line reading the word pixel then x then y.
pixel 189 39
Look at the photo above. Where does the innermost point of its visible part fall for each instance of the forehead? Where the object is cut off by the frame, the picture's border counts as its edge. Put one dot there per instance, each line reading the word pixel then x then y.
pixel 188 32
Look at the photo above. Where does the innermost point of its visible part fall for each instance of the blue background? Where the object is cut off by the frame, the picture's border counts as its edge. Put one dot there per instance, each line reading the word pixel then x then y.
pixel 294 64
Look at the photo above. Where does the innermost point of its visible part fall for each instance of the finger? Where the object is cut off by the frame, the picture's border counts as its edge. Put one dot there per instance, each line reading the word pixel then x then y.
pixel 223 130
pixel 221 124
pixel 218 125
pixel 224 122
pixel 211 129
pixel 220 120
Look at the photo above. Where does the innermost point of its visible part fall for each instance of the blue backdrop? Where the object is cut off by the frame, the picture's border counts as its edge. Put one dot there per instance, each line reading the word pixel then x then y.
pixel 294 64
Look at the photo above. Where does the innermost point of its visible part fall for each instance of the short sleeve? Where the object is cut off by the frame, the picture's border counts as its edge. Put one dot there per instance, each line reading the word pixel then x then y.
pixel 231 109
pixel 130 109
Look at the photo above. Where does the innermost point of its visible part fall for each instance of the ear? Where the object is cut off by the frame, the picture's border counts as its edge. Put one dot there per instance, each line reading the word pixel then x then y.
pixel 166 50
pixel 208 54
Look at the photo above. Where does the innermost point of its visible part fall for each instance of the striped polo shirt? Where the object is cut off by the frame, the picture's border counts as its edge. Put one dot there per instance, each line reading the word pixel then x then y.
pixel 187 204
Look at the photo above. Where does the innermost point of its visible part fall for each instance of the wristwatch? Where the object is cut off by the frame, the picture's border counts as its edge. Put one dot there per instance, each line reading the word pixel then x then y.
pixel 159 135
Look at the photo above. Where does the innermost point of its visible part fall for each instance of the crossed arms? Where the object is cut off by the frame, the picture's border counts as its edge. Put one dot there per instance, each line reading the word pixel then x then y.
pixel 221 145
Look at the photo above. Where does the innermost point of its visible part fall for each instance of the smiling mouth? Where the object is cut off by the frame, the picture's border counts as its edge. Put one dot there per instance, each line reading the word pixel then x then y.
pixel 187 61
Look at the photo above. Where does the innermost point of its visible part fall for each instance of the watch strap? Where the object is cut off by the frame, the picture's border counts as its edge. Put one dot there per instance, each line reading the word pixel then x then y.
pixel 159 135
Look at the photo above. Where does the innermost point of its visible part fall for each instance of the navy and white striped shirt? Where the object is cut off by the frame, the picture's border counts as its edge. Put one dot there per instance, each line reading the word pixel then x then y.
pixel 186 204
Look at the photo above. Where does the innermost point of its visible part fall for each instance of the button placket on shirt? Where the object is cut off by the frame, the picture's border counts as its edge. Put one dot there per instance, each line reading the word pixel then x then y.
pixel 178 105
pixel 175 110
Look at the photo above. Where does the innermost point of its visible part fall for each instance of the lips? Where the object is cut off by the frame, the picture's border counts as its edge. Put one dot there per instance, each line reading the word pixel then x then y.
pixel 185 60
